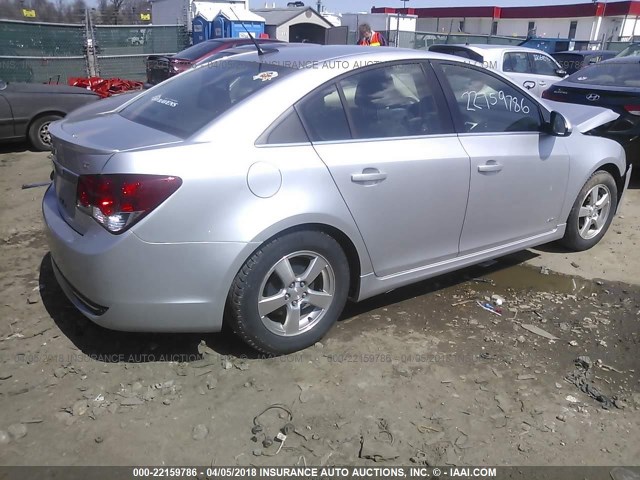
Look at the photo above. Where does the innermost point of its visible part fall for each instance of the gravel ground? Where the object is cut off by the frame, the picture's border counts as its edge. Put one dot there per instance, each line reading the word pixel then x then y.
pixel 422 375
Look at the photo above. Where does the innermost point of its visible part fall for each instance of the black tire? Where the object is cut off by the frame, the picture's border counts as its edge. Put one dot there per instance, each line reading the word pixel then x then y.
pixel 258 273
pixel 36 128
pixel 572 237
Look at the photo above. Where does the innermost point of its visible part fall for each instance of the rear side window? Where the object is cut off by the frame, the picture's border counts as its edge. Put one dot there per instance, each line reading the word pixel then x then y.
pixel 393 101
pixel 543 65
pixel 516 62
pixel 570 62
pixel 183 106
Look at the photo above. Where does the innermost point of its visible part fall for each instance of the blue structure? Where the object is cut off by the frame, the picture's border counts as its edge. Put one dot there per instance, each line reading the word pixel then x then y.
pixel 225 27
pixel 201 29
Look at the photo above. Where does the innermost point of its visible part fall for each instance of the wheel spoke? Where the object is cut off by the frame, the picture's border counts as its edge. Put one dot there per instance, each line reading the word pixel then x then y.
pixel 603 201
pixel 270 304
pixel 314 269
pixel 292 322
pixel 584 212
pixel 599 222
pixel 285 272
pixel 319 299
pixel 585 228
pixel 593 197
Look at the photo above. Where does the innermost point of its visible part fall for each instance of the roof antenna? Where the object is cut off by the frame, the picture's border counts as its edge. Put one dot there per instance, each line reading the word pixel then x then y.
pixel 255 42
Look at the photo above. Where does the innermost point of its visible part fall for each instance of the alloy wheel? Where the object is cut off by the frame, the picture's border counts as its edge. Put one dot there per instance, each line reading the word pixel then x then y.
pixel 594 212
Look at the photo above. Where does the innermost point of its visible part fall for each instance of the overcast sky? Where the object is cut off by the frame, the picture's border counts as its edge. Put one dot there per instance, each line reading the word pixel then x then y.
pixel 365 5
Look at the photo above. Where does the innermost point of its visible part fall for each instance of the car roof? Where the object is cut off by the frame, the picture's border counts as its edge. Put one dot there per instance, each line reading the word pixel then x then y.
pixel 482 48
pixel 631 59
pixel 585 53
pixel 301 57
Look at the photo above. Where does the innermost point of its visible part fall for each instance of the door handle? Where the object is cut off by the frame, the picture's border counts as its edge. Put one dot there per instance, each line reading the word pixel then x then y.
pixel 369 175
pixel 490 166
pixel 542 84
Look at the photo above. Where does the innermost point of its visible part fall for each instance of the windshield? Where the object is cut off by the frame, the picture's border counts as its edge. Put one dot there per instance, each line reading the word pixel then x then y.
pixel 197 51
pixel 630 51
pixel 609 74
pixel 183 106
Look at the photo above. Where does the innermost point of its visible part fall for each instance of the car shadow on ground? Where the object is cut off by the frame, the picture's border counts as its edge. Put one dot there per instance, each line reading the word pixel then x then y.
pixel 113 346
pixel 16 147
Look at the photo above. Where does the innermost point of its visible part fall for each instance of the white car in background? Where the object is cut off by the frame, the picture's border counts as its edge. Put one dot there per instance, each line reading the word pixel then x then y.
pixel 533 69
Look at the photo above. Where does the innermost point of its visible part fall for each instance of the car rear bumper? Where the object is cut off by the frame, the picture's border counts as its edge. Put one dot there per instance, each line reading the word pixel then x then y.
pixel 121 282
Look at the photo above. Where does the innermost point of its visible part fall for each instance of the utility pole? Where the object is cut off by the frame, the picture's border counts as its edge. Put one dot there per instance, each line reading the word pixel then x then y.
pixel 89 45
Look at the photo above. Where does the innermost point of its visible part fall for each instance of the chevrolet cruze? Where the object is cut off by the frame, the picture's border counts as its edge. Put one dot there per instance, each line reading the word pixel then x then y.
pixel 265 190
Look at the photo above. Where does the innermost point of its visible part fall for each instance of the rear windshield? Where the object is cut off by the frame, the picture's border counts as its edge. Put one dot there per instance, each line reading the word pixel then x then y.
pixel 609 74
pixel 630 51
pixel 198 50
pixel 458 52
pixel 183 106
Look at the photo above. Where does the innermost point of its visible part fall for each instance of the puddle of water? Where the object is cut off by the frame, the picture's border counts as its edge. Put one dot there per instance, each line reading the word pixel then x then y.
pixel 521 277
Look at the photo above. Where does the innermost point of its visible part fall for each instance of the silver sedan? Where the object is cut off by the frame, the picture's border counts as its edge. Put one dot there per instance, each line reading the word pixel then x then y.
pixel 265 190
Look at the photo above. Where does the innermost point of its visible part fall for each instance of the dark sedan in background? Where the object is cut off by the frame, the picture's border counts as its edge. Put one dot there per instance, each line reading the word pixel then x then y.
pixel 160 68
pixel 613 84
pixel 575 60
pixel 27 109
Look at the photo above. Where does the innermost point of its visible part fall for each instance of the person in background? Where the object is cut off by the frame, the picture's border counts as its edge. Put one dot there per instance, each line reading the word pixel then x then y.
pixel 370 38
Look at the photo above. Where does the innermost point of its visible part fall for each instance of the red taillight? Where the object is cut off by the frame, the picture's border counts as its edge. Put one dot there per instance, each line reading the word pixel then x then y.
pixel 119 201
pixel 633 109
pixel 549 95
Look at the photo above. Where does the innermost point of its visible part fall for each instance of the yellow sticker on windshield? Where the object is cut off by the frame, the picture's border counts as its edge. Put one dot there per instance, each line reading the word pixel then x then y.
pixel 266 76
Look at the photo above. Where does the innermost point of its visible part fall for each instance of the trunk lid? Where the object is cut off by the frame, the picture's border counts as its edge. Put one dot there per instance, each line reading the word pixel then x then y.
pixel 84 148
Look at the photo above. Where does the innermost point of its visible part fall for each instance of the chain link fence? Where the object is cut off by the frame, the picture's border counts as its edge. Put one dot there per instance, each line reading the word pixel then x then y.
pixel 46 52
pixel 52 52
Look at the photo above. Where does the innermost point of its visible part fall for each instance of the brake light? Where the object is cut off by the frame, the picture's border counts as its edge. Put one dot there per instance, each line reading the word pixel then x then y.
pixel 633 109
pixel 549 95
pixel 117 202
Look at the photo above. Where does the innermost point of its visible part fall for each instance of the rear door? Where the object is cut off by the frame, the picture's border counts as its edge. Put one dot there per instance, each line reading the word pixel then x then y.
pixel 387 138
pixel 518 173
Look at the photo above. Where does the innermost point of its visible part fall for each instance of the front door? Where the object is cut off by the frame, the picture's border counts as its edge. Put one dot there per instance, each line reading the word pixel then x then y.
pixel 387 139
pixel 518 173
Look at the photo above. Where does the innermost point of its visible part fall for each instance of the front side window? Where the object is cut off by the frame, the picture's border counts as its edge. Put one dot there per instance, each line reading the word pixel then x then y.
pixel 191 101
pixel 543 65
pixel 516 62
pixel 487 104
pixel 393 101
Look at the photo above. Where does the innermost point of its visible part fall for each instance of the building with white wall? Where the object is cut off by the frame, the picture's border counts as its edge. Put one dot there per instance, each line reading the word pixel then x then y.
pixel 381 22
pixel 592 21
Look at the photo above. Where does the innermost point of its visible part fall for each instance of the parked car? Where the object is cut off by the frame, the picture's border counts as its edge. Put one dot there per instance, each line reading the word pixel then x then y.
pixel 310 176
pixel 575 60
pixel 613 84
pixel 551 45
pixel 532 69
pixel 160 67
pixel 632 50
pixel 269 48
pixel 27 110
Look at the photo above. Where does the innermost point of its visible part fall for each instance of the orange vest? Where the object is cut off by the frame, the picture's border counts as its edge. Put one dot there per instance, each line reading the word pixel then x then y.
pixel 376 40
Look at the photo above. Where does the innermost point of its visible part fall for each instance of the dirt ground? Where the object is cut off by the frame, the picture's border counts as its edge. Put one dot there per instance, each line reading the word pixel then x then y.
pixel 422 375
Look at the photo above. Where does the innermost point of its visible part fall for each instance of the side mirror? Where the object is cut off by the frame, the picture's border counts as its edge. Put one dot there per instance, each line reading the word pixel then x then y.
pixel 561 72
pixel 559 126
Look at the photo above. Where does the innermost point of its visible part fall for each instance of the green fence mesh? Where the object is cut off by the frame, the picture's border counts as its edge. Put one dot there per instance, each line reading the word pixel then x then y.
pixel 48 52
pixel 41 52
